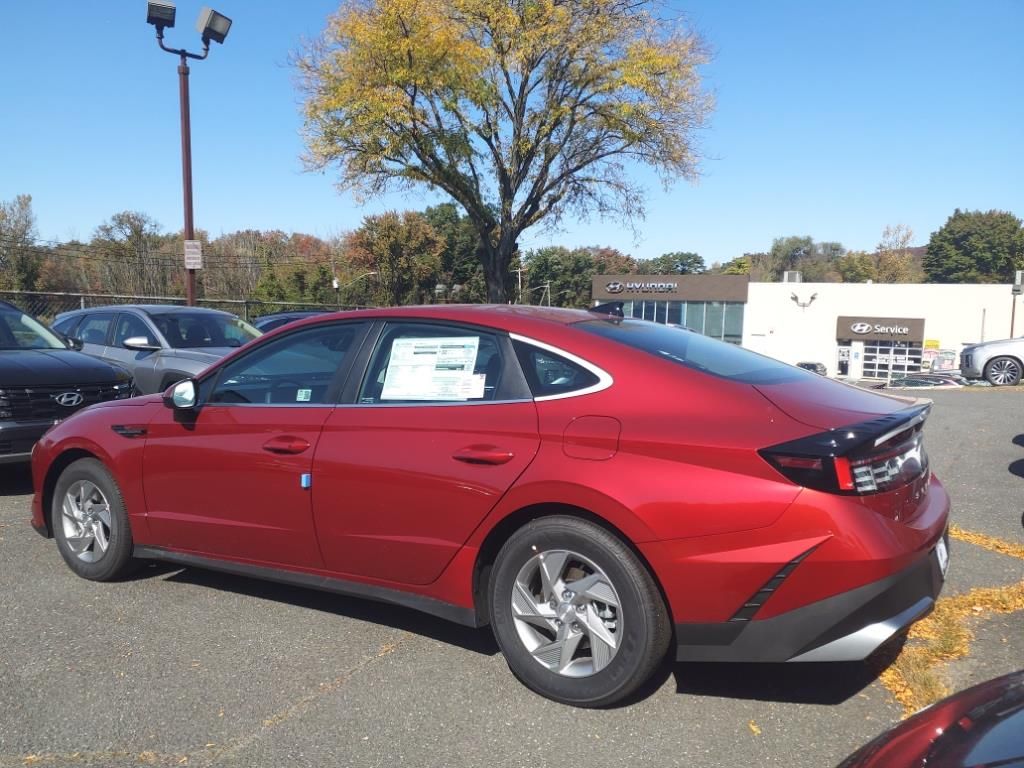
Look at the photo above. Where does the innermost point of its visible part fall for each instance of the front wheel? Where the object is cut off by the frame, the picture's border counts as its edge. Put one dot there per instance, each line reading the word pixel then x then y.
pixel 90 523
pixel 1003 372
pixel 577 615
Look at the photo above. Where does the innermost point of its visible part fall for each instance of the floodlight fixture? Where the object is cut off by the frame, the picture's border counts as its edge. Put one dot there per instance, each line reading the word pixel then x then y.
pixel 160 13
pixel 212 25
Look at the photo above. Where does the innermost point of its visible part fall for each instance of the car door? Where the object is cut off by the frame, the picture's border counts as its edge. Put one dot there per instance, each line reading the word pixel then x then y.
pixel 440 427
pixel 231 479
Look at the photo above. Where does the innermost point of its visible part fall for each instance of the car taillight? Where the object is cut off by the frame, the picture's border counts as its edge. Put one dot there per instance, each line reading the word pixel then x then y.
pixel 870 457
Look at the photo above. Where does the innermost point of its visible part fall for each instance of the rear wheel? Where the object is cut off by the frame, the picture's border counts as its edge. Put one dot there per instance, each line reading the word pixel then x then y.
pixel 575 612
pixel 90 523
pixel 1003 372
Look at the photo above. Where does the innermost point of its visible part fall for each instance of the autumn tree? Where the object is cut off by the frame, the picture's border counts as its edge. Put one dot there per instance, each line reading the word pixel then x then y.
pixel 894 258
pixel 521 111
pixel 20 257
pixel 405 252
pixel 975 247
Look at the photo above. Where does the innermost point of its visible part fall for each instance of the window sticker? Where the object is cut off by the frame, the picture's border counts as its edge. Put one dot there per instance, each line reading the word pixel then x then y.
pixel 303 395
pixel 433 369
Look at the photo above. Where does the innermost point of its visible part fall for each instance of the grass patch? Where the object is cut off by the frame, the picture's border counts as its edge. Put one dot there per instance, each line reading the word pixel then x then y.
pixel 915 676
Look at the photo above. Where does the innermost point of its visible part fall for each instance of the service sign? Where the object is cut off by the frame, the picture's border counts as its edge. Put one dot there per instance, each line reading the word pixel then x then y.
pixel 880 328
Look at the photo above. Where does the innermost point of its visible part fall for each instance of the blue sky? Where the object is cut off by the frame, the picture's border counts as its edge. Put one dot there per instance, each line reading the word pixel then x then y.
pixel 833 120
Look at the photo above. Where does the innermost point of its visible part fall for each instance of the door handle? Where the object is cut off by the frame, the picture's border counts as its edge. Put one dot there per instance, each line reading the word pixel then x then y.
pixel 286 444
pixel 483 454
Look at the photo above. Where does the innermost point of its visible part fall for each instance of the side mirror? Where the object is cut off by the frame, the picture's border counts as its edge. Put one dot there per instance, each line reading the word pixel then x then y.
pixel 72 343
pixel 182 395
pixel 140 343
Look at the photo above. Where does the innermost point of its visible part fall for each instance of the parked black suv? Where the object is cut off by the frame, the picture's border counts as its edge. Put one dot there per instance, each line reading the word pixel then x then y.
pixel 43 381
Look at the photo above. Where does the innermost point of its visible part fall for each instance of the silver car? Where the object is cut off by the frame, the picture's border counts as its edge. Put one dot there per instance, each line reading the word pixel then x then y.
pixel 159 344
pixel 998 362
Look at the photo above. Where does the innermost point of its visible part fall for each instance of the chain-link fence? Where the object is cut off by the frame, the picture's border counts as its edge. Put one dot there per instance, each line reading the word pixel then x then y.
pixel 46 306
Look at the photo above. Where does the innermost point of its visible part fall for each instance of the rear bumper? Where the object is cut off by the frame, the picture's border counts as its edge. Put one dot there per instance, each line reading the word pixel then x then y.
pixel 847 627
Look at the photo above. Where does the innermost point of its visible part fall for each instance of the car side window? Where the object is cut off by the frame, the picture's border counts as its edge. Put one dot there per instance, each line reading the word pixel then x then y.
pixel 130 326
pixel 67 325
pixel 550 374
pixel 423 363
pixel 94 328
pixel 296 369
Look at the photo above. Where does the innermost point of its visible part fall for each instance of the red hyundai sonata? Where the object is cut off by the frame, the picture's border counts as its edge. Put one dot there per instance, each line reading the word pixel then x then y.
pixel 594 488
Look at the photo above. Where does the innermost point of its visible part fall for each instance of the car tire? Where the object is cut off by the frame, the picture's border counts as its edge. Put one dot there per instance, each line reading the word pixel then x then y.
pixel 1003 371
pixel 90 522
pixel 576 614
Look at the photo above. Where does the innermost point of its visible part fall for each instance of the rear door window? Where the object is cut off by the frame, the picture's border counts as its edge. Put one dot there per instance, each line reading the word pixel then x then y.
pixel 425 363
pixel 67 325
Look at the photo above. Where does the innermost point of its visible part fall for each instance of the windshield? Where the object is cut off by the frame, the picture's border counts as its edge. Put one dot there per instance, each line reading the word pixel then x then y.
pixel 194 330
pixel 693 350
pixel 20 331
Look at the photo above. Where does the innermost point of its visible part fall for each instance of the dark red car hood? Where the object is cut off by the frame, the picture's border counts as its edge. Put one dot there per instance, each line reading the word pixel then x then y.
pixel 828 404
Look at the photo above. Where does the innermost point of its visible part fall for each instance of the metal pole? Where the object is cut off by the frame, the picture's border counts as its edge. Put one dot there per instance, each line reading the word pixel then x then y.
pixel 186 172
pixel 1013 313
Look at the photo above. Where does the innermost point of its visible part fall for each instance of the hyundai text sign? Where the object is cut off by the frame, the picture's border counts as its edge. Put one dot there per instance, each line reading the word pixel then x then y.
pixel 641 286
pixel 887 328
pixel 670 287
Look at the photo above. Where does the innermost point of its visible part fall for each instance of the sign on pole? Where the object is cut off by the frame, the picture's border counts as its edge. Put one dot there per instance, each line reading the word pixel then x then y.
pixel 193 254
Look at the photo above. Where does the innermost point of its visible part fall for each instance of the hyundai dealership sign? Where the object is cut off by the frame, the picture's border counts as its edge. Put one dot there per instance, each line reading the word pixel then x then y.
pixel 880 328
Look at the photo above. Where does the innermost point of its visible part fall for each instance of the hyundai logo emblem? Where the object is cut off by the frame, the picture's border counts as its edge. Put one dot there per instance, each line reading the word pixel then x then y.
pixel 68 399
pixel 614 287
pixel 861 328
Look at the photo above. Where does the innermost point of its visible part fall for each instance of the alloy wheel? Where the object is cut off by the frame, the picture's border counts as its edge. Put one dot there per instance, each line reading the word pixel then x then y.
pixel 1004 371
pixel 85 517
pixel 567 613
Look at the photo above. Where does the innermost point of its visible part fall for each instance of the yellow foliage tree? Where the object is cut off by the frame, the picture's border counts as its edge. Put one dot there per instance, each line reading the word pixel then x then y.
pixel 520 110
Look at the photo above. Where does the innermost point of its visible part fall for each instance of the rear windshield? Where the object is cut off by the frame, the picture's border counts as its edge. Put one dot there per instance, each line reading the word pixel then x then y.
pixel 693 350
pixel 195 330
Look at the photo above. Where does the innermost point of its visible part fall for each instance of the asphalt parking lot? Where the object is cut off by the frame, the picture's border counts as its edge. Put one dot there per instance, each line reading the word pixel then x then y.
pixel 185 667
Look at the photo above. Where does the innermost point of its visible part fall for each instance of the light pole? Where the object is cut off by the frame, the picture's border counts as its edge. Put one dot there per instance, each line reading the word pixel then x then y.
pixel 212 26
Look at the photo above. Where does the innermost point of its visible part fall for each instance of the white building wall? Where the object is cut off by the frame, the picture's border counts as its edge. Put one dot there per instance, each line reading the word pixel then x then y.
pixel 954 315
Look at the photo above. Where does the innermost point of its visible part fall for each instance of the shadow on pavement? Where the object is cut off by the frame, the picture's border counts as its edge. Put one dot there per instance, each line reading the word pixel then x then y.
pixel 1017 468
pixel 477 640
pixel 799 683
pixel 1018 441
pixel 15 479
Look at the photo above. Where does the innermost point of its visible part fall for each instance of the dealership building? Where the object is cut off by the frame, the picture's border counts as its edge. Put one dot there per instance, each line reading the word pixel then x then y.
pixel 857 330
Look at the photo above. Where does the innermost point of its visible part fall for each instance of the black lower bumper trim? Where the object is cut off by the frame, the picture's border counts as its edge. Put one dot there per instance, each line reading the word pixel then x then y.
pixel 852 624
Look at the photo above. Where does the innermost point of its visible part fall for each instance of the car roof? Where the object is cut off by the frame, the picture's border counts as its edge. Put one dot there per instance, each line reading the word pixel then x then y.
pixel 149 309
pixel 517 318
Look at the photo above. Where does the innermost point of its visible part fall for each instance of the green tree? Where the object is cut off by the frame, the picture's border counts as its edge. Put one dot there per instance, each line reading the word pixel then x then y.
pixel 564 278
pixel 975 247
pixel 135 257
pixel 461 268
pixel 857 267
pixel 521 111
pixel 20 257
pixel 404 251
pixel 675 263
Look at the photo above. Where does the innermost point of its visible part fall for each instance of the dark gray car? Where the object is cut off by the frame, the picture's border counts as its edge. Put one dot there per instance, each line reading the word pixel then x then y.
pixel 159 344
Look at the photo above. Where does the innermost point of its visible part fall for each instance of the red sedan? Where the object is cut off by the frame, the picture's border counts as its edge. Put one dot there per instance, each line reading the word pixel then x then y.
pixel 594 488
